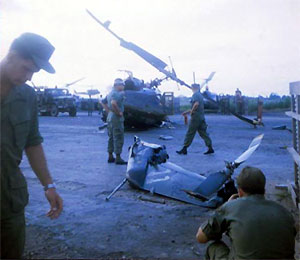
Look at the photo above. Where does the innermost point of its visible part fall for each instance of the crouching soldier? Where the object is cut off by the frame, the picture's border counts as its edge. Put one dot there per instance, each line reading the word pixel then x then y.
pixel 258 228
pixel 115 121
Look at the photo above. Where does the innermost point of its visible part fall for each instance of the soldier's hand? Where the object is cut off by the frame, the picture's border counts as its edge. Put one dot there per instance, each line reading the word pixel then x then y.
pixel 121 114
pixel 233 197
pixel 56 203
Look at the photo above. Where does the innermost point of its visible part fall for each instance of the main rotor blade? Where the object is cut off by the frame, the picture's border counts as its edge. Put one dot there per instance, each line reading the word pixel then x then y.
pixel 145 55
pixel 72 83
pixel 150 58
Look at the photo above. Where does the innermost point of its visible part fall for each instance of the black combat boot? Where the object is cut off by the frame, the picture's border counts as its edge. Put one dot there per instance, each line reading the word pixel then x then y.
pixel 111 158
pixel 119 160
pixel 183 150
pixel 210 150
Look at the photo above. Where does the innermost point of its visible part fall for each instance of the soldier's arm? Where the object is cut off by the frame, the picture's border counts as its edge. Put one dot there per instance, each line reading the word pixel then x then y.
pixel 185 113
pixel 116 108
pixel 213 228
pixel 105 107
pixel 104 104
pixel 195 106
pixel 201 237
pixel 37 160
pixel 38 163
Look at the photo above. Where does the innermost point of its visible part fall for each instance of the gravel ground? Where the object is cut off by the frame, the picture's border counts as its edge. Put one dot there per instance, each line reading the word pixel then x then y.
pixel 126 226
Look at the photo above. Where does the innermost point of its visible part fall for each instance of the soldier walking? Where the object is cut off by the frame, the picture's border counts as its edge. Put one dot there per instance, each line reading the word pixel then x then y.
pixel 115 121
pixel 197 122
pixel 20 131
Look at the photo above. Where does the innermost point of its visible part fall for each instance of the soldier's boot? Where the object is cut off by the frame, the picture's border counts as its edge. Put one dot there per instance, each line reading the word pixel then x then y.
pixel 182 151
pixel 111 158
pixel 119 160
pixel 210 150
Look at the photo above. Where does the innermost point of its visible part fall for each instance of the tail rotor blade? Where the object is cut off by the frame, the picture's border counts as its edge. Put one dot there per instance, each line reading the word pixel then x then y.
pixel 252 147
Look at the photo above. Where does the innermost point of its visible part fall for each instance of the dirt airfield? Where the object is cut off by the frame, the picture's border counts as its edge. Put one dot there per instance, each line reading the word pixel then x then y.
pixel 128 226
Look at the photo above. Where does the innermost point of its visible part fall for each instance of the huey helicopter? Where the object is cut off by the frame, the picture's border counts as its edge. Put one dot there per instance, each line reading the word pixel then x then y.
pixel 161 66
pixel 143 105
pixel 149 170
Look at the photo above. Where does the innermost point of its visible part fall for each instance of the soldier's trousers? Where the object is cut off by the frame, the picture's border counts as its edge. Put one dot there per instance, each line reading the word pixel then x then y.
pixel 217 250
pixel 200 126
pixel 13 237
pixel 115 136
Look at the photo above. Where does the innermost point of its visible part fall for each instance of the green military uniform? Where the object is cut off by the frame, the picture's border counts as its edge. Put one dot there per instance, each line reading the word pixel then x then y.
pixel 19 129
pixel 257 228
pixel 197 123
pixel 115 123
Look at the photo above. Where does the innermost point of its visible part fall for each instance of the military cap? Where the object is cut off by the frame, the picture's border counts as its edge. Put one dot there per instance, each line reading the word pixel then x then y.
pixel 118 82
pixel 36 47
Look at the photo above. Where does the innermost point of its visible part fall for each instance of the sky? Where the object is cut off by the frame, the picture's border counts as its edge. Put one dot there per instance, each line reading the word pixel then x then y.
pixel 253 45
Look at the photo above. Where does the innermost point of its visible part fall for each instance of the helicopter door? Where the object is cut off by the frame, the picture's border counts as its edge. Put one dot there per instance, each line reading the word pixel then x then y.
pixel 167 101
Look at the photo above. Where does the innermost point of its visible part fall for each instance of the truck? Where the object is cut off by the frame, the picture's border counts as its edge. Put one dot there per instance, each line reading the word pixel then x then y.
pixel 52 101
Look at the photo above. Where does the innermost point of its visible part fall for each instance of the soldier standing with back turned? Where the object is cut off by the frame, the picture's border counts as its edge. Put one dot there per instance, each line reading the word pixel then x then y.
pixel 115 121
pixel 197 122
pixel 20 132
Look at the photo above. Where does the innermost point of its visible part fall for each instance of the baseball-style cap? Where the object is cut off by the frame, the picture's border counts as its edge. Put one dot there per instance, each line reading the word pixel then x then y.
pixel 36 47
pixel 119 82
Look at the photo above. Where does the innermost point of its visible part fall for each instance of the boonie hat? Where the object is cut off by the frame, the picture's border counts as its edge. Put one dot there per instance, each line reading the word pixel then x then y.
pixel 36 47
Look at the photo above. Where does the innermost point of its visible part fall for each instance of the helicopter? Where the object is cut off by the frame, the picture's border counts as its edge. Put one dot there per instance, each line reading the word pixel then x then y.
pixel 144 105
pixel 161 66
pixel 149 170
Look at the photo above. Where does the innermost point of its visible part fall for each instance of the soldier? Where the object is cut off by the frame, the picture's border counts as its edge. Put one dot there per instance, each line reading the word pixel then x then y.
pixel 90 106
pixel 258 228
pixel 197 122
pixel 19 131
pixel 238 102
pixel 115 120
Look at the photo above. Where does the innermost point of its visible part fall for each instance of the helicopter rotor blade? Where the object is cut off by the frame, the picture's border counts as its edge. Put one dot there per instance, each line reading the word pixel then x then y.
pixel 215 180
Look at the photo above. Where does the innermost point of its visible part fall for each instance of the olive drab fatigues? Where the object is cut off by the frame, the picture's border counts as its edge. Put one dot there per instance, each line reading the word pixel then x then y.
pixel 115 123
pixel 258 229
pixel 197 123
pixel 19 129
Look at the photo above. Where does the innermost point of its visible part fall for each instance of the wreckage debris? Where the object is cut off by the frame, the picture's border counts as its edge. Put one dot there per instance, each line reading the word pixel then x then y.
pixel 166 137
pixel 282 127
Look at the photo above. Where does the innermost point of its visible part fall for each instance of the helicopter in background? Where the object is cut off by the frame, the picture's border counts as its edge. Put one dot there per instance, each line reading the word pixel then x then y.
pixel 161 66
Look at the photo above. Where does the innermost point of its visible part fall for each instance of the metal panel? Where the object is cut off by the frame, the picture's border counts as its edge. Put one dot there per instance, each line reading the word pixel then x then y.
pixel 295 115
pixel 295 88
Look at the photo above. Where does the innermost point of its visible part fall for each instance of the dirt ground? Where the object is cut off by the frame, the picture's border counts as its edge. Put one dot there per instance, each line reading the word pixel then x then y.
pixel 126 226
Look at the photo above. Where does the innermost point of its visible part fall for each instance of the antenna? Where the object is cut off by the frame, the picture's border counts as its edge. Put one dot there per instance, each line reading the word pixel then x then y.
pixel 194 77
pixel 173 71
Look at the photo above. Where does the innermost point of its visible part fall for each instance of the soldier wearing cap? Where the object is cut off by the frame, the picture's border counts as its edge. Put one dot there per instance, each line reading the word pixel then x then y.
pixel 115 121
pixel 20 132
pixel 197 122
pixel 257 228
